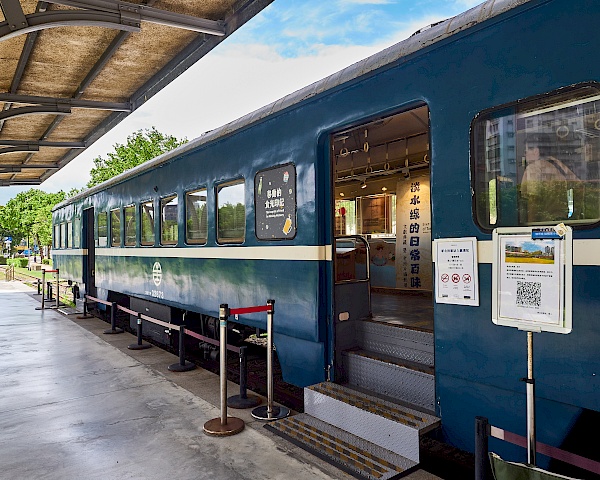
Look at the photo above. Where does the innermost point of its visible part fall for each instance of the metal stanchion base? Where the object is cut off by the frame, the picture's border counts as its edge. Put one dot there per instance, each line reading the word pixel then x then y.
pixel 261 413
pixel 82 317
pixel 234 425
pixel 135 346
pixel 236 401
pixel 110 331
pixel 178 367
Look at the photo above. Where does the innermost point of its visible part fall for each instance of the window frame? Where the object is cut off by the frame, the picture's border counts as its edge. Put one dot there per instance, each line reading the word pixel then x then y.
pixel 105 215
pixel 218 187
pixel 69 232
pixel 170 198
pixel 111 228
pixel 141 225
pixel 545 101
pixel 124 219
pixel 56 238
pixel 189 241
pixel 63 235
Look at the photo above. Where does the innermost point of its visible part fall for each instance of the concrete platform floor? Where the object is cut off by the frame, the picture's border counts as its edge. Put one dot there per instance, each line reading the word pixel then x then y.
pixel 77 404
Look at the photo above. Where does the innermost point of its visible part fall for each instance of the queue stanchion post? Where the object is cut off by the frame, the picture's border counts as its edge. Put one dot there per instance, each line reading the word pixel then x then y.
pixel 85 309
pixel 243 400
pixel 223 425
pixel 183 365
pixel 43 283
pixel 57 289
pixel 139 345
pixel 270 412
pixel 113 321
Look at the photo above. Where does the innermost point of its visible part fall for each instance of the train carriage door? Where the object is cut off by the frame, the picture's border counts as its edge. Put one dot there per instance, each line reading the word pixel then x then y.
pixel 383 265
pixel 89 256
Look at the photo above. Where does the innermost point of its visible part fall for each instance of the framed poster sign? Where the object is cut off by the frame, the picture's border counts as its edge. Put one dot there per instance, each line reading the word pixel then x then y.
pixel 532 278
pixel 456 265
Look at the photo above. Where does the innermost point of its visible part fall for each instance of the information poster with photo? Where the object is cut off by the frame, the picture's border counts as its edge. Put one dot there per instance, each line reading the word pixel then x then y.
pixel 456 279
pixel 530 277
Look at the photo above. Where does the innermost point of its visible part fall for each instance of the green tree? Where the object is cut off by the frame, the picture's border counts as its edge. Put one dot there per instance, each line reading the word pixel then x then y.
pixel 141 146
pixel 29 214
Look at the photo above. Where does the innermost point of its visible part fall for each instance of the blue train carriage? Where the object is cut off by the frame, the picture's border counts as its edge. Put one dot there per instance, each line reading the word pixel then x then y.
pixel 329 202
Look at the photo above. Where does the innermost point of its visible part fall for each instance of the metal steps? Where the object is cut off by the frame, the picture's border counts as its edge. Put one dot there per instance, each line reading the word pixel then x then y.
pixel 352 425
pixel 345 450
pixel 393 361
pixel 389 425
pixel 395 341
pixel 402 380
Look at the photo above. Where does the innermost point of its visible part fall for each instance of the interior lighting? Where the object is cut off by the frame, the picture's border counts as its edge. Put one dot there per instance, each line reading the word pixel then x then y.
pixel 364 185
pixel 384 189
pixel 341 194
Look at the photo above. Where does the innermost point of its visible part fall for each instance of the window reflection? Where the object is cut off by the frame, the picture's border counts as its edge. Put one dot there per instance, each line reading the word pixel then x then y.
pixel 539 162
pixel 168 220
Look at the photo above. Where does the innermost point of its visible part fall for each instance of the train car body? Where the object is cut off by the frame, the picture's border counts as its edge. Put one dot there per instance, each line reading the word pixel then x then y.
pixel 423 115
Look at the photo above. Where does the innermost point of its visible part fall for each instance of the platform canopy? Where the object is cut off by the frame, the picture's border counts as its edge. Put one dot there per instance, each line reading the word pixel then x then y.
pixel 70 70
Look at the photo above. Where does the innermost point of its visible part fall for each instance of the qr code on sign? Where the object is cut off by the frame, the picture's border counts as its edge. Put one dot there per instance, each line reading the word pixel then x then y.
pixel 529 294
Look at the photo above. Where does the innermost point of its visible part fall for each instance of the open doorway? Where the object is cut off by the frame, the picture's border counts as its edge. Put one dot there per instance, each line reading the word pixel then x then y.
pixel 382 212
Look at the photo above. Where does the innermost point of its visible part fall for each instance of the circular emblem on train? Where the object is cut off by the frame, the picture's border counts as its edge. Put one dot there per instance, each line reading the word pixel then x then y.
pixel 156 273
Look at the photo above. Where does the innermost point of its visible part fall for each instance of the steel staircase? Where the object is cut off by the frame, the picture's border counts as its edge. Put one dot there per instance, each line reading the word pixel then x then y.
pixel 370 426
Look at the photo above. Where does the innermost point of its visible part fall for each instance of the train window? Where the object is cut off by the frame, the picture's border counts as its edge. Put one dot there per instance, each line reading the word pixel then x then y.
pixel 115 227
pixel 77 232
pixel 102 227
pixel 275 203
pixel 231 212
pixel 196 218
pixel 538 161
pixel 69 242
pixel 147 223
pixel 63 237
pixel 168 220
pixel 56 236
pixel 130 225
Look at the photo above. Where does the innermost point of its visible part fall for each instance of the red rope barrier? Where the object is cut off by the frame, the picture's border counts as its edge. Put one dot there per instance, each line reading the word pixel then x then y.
pixel 160 322
pixel 93 299
pixel 50 271
pixel 212 341
pixel 553 452
pixel 127 310
pixel 261 308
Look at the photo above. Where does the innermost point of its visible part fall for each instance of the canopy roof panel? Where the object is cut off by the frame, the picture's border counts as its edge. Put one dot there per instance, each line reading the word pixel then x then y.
pixel 73 69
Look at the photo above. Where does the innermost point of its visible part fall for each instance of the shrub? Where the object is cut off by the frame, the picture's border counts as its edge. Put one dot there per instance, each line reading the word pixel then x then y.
pixel 18 262
pixel 2 260
pixel 46 261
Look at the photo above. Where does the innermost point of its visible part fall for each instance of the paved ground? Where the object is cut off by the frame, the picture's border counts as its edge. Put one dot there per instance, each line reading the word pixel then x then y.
pixel 75 403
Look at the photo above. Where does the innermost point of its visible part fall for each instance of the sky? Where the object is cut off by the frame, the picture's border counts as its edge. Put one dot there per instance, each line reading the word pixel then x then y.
pixel 289 45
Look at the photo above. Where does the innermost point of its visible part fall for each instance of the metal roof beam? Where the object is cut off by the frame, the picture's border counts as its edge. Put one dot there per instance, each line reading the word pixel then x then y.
pixel 10 183
pixel 149 14
pixel 19 148
pixel 43 143
pixel 41 110
pixel 69 18
pixel 17 167
pixel 70 102
pixel 13 13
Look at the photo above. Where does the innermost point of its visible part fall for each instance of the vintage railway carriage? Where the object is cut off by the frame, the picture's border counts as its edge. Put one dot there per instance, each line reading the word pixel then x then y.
pixel 329 202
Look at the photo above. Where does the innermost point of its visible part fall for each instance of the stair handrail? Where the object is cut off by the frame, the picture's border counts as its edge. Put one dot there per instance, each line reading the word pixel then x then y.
pixel 363 240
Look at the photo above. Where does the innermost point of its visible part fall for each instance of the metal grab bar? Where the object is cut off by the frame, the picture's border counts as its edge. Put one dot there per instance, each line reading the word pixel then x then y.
pixel 361 239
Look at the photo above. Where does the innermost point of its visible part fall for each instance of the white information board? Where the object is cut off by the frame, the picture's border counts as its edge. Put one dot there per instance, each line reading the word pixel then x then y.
pixel 456 279
pixel 531 278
